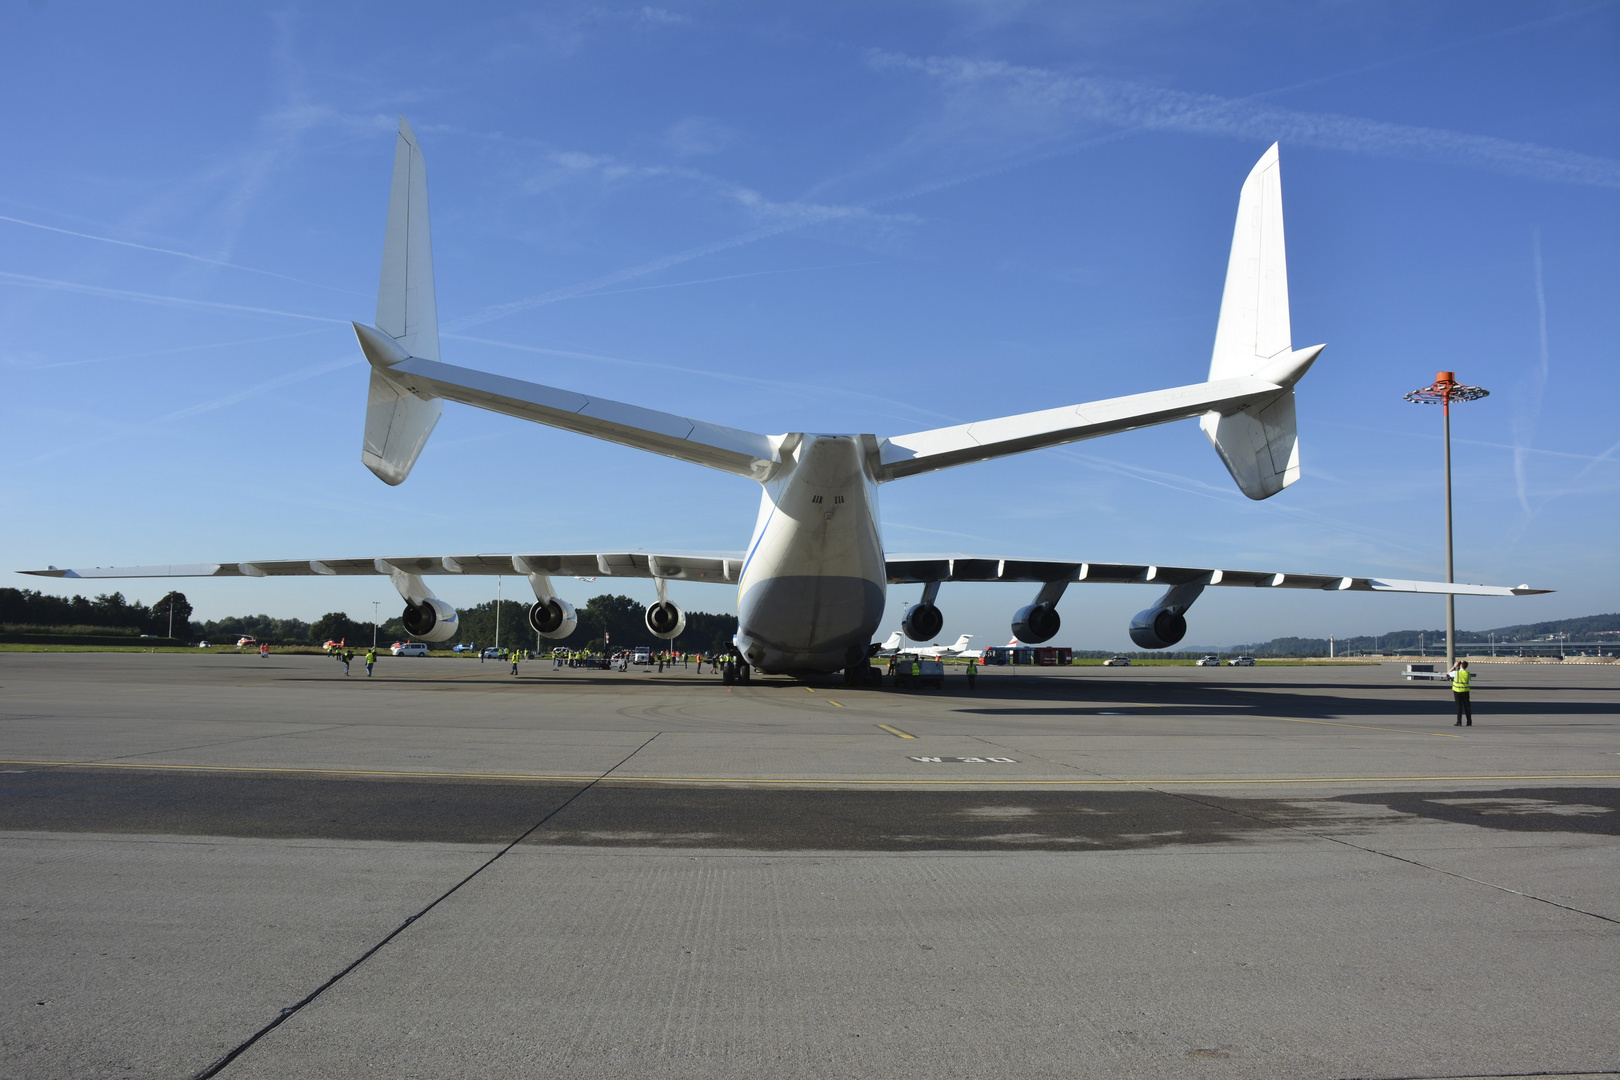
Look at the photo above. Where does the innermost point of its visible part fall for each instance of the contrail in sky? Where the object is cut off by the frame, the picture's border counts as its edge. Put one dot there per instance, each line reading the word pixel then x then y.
pixel 154 298
pixel 1525 417
pixel 288 379
pixel 171 251
pixel 1117 103
pixel 178 349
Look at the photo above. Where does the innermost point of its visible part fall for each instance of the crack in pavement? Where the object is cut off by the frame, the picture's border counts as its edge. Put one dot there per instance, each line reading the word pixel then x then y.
pixel 292 1010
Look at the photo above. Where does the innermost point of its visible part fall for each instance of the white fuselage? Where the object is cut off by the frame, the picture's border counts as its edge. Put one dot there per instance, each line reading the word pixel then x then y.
pixel 812 586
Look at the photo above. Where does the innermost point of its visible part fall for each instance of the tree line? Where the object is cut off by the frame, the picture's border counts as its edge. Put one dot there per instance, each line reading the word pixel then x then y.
pixel 29 608
pixel 1409 641
pixel 606 620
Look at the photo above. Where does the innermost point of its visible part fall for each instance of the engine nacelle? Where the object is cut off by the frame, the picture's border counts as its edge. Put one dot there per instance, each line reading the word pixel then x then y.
pixel 431 620
pixel 1158 628
pixel 552 618
pixel 665 620
pixel 1036 623
pixel 923 622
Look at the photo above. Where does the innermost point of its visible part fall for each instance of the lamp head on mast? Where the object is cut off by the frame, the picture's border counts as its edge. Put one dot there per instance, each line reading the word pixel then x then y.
pixel 1444 390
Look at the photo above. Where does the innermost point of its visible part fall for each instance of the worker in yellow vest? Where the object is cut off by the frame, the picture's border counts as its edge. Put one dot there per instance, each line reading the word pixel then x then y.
pixel 1459 690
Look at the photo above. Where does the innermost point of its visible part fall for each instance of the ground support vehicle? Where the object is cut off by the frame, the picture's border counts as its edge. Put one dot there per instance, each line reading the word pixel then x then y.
pixel 930 671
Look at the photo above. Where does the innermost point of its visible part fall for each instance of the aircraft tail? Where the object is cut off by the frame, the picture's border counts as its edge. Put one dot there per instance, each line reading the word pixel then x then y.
pixel 398 419
pixel 1259 443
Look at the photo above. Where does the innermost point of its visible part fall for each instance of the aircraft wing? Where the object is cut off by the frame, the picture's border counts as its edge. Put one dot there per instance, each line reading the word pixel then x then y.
pixel 922 569
pixel 721 567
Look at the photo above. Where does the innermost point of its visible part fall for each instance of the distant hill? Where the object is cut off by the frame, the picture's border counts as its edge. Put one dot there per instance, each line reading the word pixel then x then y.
pixel 1605 628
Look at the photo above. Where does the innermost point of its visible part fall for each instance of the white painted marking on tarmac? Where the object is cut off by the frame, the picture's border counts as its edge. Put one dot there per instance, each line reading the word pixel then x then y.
pixel 964 760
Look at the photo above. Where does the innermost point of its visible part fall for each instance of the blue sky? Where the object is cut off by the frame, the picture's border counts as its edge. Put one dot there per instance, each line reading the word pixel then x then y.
pixel 834 217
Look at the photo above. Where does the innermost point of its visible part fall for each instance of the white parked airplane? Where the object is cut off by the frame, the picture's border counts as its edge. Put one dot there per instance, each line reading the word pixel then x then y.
pixel 897 643
pixel 811 583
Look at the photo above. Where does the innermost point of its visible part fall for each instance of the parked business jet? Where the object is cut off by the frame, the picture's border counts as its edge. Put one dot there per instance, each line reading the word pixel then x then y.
pixel 811 582
pixel 897 643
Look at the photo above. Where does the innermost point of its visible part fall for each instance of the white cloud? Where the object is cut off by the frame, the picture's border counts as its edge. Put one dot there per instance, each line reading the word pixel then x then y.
pixel 694 136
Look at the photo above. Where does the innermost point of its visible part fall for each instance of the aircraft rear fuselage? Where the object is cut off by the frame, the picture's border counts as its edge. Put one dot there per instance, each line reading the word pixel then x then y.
pixel 811 592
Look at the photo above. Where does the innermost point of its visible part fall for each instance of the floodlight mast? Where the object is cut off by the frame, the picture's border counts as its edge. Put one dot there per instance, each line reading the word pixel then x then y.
pixel 1444 390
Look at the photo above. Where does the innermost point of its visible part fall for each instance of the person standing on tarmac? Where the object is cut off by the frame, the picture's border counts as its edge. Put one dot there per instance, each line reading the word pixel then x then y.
pixel 516 655
pixel 1459 690
pixel 972 673
pixel 346 656
pixel 371 658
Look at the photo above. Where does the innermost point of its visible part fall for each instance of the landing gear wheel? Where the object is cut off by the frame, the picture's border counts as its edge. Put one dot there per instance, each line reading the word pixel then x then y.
pixel 744 672
pixel 728 674
pixel 856 665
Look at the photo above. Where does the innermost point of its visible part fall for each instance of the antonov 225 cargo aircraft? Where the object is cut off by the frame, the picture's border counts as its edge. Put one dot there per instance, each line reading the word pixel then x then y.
pixel 810 586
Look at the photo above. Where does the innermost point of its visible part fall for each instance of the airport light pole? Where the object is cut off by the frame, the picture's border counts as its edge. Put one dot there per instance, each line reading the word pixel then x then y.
pixel 1443 391
pixel 376 619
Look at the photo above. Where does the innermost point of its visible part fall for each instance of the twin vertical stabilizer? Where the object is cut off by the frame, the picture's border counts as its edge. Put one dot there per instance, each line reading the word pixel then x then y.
pixel 398 421
pixel 1260 443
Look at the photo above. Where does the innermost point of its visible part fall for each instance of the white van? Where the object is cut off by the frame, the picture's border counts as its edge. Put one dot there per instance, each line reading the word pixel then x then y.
pixel 410 648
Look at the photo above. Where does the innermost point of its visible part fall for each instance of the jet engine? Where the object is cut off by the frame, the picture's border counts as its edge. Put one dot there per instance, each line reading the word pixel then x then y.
pixel 1165 623
pixel 431 620
pixel 554 618
pixel 1036 623
pixel 665 620
pixel 1157 628
pixel 923 622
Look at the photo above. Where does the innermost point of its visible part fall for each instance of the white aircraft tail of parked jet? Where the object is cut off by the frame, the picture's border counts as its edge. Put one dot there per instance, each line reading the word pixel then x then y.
pixel 811 582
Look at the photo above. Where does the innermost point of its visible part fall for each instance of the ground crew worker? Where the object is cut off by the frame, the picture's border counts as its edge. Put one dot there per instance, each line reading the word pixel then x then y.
pixel 516 655
pixel 371 658
pixel 1459 690
pixel 264 651
pixel 916 673
pixel 972 673
pixel 346 656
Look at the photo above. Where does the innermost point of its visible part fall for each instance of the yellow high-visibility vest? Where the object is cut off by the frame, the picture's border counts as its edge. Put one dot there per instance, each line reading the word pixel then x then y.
pixel 1459 681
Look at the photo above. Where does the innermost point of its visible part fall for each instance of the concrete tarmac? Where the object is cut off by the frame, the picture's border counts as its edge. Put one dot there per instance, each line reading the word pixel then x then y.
pixel 1156 872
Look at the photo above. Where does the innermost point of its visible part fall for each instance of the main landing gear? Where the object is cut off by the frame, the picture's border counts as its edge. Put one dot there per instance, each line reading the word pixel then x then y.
pixel 736 670
pixel 858 669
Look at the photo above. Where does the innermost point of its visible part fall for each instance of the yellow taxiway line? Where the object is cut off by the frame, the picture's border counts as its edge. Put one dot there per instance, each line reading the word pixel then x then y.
pixel 892 781
pixel 897 732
